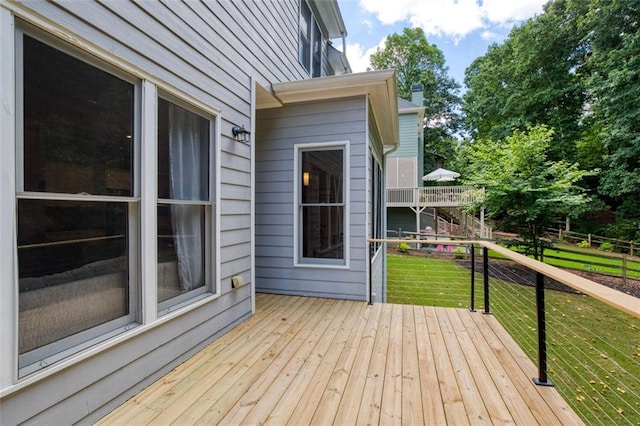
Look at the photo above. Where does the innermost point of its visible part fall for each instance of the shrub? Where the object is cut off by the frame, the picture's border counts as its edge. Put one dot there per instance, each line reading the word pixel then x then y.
pixel 458 253
pixel 404 248
pixel 583 244
pixel 606 246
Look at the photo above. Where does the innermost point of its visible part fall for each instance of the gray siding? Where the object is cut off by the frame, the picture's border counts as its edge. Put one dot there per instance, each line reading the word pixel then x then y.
pixel 201 49
pixel 277 131
pixel 378 280
pixel 88 390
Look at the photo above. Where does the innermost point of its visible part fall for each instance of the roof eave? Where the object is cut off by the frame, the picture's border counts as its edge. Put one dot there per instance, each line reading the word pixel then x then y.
pixel 330 15
pixel 379 86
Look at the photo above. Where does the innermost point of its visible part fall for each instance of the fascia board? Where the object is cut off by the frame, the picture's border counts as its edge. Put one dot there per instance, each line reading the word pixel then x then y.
pixel 379 86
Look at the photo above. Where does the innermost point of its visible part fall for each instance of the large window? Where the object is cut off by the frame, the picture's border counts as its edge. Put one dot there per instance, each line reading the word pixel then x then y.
pixel 321 205
pixel 310 41
pixel 77 201
pixel 184 203
pixel 82 187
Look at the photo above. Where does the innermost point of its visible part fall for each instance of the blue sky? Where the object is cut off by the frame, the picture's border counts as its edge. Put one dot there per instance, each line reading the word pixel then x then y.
pixel 462 29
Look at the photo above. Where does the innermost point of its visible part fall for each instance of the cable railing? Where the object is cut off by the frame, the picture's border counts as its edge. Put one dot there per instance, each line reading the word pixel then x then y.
pixel 584 336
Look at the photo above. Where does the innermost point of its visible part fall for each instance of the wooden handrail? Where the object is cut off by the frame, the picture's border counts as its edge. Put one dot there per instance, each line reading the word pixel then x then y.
pixel 619 300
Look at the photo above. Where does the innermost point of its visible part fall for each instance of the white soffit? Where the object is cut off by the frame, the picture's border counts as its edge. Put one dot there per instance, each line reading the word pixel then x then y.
pixel 265 99
pixel 330 15
pixel 379 86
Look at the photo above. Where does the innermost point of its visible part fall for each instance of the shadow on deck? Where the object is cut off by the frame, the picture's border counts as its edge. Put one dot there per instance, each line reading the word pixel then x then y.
pixel 321 361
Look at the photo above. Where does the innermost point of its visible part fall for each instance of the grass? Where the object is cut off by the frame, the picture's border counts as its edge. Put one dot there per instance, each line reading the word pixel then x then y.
pixel 405 276
pixel 582 262
pixel 593 349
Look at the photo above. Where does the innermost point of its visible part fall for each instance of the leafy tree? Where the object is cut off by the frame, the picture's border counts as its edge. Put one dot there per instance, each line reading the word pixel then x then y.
pixel 614 83
pixel 533 78
pixel 525 189
pixel 416 61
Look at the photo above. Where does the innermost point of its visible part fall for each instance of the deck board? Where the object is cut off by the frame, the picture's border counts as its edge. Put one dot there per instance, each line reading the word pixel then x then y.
pixel 320 361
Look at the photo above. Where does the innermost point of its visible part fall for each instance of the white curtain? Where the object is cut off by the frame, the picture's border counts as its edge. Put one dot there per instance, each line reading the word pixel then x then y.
pixel 186 183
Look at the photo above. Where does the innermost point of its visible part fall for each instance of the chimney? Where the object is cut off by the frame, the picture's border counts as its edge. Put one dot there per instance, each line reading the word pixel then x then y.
pixel 417 94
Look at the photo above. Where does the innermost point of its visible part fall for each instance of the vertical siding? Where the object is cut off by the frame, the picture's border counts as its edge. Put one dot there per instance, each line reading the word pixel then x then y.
pixel 408 126
pixel 202 50
pixel 277 131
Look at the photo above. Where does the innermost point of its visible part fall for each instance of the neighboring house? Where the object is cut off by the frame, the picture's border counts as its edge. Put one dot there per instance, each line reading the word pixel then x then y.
pixel 405 164
pixel 413 207
pixel 136 224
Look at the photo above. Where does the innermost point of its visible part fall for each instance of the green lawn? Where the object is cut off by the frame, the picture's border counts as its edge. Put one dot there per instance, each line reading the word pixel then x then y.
pixel 593 349
pixel 581 262
pixel 449 284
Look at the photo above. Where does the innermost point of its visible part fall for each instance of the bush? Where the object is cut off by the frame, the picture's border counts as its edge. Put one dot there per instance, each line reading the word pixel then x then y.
pixel 583 244
pixel 459 253
pixel 606 246
pixel 404 248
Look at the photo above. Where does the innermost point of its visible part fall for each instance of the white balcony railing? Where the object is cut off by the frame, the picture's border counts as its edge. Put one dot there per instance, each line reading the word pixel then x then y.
pixel 433 196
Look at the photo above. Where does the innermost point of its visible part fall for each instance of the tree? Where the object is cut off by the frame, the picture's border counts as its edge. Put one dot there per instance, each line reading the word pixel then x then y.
pixel 416 61
pixel 614 76
pixel 533 78
pixel 526 190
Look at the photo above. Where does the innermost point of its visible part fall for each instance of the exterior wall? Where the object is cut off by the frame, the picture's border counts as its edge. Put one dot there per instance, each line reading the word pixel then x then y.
pixel 277 131
pixel 408 136
pixel 378 265
pixel 378 273
pixel 404 168
pixel 200 50
pixel 401 218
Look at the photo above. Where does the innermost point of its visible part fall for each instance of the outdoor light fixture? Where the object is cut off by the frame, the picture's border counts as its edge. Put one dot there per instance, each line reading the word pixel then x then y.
pixel 240 133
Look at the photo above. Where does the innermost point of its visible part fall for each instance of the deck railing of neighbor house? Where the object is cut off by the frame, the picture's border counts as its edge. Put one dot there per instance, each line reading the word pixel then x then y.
pixel 572 327
pixel 433 196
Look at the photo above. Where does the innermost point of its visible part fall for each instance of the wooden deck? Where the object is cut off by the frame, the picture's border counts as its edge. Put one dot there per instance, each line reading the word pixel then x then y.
pixel 320 361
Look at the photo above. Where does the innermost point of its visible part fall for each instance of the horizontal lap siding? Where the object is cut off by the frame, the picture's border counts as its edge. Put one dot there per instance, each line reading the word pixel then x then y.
pixel 201 49
pixel 277 131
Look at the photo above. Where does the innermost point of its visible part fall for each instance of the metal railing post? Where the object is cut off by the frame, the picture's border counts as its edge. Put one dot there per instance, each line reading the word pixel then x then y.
pixel 542 379
pixel 473 278
pixel 485 267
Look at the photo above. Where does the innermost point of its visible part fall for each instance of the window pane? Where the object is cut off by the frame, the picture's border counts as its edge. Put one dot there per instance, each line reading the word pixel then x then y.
pixel 73 268
pixel 78 125
pixel 183 153
pixel 323 232
pixel 304 50
pixel 181 249
pixel 317 50
pixel 322 176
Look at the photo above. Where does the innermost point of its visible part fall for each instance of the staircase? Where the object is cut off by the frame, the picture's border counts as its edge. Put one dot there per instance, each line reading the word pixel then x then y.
pixel 466 224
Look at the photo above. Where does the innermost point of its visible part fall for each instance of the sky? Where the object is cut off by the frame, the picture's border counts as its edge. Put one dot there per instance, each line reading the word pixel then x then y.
pixel 462 29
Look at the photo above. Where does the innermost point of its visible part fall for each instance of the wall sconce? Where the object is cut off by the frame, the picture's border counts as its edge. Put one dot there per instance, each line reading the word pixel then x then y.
pixel 305 179
pixel 240 133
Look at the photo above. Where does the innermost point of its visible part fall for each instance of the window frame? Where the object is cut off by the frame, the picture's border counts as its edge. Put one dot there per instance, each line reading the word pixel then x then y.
pixel 377 200
pixel 309 42
pixel 142 204
pixel 41 357
pixel 210 207
pixel 298 233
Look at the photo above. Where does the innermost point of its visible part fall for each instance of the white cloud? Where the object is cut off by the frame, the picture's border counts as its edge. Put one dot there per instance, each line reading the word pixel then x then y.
pixel 454 18
pixel 359 58
pixel 489 35
pixel 505 11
